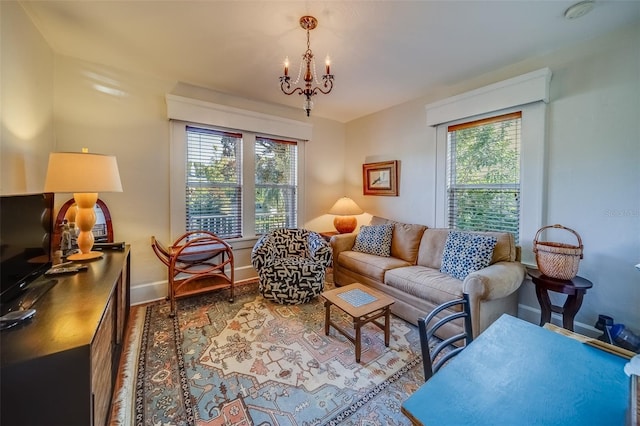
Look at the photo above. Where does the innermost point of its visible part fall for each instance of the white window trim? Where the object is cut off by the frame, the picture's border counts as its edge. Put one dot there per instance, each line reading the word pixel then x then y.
pixel 184 111
pixel 528 93
pixel 197 111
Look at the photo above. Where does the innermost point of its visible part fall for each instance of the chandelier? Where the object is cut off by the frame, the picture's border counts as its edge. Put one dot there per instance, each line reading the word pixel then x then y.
pixel 310 76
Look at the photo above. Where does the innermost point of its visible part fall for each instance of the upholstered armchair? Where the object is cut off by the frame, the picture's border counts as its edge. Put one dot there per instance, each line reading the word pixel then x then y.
pixel 291 265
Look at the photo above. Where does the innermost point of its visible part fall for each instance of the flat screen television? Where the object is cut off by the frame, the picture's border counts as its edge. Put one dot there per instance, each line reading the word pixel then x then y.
pixel 26 224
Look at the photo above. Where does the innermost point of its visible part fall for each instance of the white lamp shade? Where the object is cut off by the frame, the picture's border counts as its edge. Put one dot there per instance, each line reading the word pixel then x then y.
pixel 345 206
pixel 82 172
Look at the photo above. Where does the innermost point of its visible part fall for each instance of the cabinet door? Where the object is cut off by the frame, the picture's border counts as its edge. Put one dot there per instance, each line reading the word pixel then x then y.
pixel 122 310
pixel 102 365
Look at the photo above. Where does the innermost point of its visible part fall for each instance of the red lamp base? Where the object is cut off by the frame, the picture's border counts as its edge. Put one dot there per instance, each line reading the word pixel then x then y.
pixel 345 224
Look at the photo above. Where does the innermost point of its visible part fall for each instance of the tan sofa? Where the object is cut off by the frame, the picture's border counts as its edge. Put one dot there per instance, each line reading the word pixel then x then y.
pixel 411 275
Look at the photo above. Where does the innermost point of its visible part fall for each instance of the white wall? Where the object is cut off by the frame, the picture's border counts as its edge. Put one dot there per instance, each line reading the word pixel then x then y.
pixel 116 112
pixel 26 103
pixel 592 166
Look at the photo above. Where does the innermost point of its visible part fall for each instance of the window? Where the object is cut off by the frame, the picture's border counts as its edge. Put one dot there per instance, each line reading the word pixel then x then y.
pixel 528 95
pixel 276 185
pixel 218 182
pixel 214 182
pixel 230 145
pixel 483 174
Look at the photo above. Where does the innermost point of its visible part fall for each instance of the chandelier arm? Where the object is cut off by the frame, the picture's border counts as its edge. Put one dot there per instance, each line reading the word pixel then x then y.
pixel 328 82
pixel 285 86
pixel 292 91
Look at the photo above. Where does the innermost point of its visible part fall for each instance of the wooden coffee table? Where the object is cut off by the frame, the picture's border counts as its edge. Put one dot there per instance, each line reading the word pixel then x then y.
pixel 364 305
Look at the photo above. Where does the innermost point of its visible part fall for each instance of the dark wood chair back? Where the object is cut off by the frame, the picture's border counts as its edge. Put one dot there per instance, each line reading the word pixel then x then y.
pixel 430 324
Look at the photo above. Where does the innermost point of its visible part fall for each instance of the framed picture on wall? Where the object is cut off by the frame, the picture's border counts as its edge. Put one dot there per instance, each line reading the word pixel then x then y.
pixel 380 178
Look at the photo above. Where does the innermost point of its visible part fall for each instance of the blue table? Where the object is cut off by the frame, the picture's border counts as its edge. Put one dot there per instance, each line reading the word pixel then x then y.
pixel 518 373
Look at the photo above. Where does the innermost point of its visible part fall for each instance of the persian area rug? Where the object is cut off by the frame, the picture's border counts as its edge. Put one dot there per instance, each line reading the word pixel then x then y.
pixel 255 362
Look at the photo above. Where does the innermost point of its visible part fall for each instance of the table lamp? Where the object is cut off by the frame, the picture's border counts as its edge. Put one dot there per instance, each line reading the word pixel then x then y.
pixel 344 209
pixel 84 175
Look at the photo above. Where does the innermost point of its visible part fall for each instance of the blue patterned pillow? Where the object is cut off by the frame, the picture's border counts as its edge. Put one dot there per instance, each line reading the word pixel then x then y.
pixel 465 252
pixel 374 239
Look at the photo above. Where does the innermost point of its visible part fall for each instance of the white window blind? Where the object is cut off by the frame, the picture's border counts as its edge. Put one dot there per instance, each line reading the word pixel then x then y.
pixel 276 184
pixel 483 174
pixel 214 182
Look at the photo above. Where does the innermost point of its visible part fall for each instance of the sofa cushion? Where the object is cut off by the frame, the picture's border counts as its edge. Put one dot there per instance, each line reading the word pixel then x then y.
pixel 377 220
pixel 505 250
pixel 432 247
pixel 405 241
pixel 368 265
pixel 466 252
pixel 426 283
pixel 434 240
pixel 374 240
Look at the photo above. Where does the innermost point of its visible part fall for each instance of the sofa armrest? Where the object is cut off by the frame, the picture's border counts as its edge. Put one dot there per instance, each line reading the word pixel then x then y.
pixel 342 242
pixel 495 281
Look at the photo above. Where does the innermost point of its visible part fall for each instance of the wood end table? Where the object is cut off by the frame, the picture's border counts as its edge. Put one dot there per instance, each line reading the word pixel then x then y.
pixel 328 234
pixel 364 305
pixel 574 289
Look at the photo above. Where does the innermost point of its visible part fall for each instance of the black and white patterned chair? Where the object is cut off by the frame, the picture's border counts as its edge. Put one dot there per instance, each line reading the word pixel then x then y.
pixel 291 265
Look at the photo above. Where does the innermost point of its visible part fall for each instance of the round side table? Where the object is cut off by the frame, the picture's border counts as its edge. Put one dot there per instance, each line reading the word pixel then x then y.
pixel 574 289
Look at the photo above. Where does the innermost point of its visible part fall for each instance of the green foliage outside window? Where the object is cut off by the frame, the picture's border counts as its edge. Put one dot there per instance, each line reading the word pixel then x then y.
pixel 484 177
pixel 276 184
pixel 213 190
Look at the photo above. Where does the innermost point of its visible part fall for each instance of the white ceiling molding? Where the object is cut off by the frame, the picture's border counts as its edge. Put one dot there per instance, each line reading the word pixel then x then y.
pixel 197 111
pixel 521 90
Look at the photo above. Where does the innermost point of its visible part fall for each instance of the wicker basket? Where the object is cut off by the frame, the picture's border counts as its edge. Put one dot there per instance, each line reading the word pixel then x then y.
pixel 558 260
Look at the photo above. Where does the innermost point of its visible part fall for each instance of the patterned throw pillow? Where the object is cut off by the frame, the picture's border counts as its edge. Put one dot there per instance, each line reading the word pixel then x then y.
pixel 465 252
pixel 374 239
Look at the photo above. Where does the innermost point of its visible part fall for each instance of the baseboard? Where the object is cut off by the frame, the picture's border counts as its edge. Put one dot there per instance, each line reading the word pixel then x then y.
pixel 149 292
pixel 532 315
pixel 154 291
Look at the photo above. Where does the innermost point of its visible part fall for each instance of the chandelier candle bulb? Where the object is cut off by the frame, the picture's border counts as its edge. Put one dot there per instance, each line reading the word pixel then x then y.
pixel 286 66
pixel 327 62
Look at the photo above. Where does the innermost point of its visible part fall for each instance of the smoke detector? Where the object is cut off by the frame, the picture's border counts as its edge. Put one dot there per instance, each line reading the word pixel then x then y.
pixel 579 9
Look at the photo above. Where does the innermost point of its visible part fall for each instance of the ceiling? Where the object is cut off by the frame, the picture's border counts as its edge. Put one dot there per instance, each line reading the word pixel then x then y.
pixel 383 53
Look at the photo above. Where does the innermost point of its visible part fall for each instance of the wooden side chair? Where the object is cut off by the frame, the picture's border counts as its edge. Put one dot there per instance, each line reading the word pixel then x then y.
pixel 456 343
pixel 196 255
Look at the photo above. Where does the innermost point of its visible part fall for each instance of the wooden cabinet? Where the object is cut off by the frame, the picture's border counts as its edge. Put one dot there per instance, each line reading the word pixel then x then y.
pixel 102 359
pixel 59 369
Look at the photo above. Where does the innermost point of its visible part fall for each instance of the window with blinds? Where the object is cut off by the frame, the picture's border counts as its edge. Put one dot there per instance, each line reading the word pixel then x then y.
pixel 483 176
pixel 276 183
pixel 214 182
